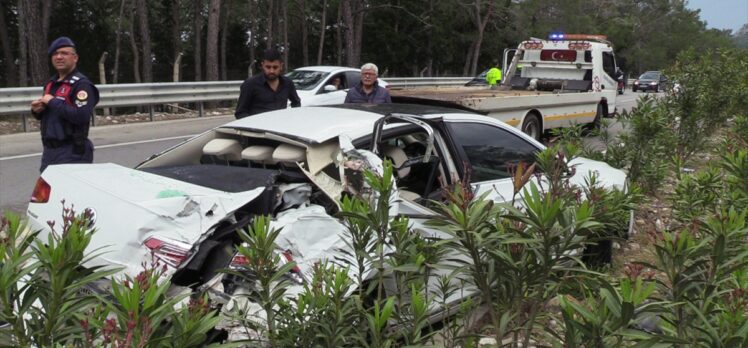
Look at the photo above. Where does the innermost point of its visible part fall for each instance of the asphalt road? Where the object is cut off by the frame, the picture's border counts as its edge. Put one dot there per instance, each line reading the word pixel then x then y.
pixel 127 145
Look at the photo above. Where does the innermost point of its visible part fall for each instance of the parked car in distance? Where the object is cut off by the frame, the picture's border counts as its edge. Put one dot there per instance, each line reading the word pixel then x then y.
pixel 314 84
pixel 650 81
pixel 182 207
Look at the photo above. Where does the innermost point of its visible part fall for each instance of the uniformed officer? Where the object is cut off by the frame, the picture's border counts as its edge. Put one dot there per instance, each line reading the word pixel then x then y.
pixel 66 108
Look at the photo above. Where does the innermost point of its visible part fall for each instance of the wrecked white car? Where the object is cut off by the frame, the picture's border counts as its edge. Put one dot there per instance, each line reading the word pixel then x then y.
pixel 183 206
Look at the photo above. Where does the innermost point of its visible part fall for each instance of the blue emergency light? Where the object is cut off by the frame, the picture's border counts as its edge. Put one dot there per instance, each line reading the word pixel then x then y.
pixel 556 36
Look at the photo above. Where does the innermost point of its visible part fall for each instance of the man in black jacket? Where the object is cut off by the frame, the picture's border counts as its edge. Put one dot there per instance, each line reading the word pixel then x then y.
pixel 267 91
pixel 65 109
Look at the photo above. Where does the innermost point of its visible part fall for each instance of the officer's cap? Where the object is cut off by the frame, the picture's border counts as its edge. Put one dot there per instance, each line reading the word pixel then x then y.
pixel 60 42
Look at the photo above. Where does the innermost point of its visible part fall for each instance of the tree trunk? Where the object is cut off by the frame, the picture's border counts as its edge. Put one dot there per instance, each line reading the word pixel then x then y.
pixel 46 13
pixel 353 16
pixel 304 33
pixel 254 18
pixel 286 48
pixel 468 60
pixel 134 45
pixel 176 37
pixel 11 79
pixel 23 74
pixel 145 40
pixel 480 25
pixel 211 41
pixel 102 75
pixel 115 70
pixel 322 27
pixel 198 40
pixel 102 68
pixel 429 45
pixel 358 33
pixel 271 19
pixel 37 43
pixel 349 35
pixel 339 35
pixel 225 15
pixel 175 71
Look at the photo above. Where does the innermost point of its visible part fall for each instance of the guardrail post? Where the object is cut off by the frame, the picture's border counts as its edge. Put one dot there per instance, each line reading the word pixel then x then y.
pixel 93 118
pixel 25 124
pixel 201 109
pixel 150 112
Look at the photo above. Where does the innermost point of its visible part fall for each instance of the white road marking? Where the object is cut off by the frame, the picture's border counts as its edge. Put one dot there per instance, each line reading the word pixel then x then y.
pixel 105 146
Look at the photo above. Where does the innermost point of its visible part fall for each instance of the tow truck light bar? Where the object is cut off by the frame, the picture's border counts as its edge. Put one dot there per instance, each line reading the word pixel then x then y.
pixel 562 36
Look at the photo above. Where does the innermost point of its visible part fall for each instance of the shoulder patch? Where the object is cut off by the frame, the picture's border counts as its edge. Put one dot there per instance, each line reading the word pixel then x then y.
pixel 82 95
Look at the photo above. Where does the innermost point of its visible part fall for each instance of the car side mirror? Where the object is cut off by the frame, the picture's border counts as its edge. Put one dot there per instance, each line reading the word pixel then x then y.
pixel 330 88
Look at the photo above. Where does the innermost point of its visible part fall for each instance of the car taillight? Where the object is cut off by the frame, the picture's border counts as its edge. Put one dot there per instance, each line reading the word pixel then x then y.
pixel 169 252
pixel 239 260
pixel 41 192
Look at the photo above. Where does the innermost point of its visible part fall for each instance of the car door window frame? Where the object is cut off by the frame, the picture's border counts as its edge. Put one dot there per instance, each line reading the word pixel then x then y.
pixel 408 126
pixel 460 153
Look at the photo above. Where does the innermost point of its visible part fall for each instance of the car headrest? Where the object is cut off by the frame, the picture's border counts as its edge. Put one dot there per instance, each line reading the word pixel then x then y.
pixel 228 149
pixel 289 153
pixel 258 153
pixel 398 157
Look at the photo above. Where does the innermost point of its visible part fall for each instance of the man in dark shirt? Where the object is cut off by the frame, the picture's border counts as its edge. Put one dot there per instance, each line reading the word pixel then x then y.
pixel 267 91
pixel 368 90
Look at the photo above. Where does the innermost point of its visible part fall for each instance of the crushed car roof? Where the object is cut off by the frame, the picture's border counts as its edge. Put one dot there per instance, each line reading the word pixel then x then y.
pixel 318 124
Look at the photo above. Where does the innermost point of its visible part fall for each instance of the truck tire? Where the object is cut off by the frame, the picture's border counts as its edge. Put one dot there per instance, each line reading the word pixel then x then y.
pixel 531 126
pixel 595 124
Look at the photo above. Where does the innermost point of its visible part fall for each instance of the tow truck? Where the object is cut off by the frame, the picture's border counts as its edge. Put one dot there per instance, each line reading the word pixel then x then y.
pixel 561 81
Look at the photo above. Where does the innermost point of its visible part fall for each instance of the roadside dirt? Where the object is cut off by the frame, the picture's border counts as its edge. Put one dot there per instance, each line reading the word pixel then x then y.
pixel 654 215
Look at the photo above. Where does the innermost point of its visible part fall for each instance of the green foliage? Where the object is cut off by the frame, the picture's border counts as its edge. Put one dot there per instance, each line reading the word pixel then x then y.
pixel 323 314
pixel 46 297
pixel 713 90
pixel 645 147
pixel 263 273
pixel 405 38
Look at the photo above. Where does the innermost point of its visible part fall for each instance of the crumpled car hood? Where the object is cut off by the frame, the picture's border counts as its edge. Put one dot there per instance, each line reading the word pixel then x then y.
pixel 131 205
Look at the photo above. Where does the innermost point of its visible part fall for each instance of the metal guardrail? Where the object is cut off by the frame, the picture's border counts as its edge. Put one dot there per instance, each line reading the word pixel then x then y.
pixel 15 101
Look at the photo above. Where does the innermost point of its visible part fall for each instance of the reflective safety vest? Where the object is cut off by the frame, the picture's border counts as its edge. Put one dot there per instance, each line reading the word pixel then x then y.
pixel 493 76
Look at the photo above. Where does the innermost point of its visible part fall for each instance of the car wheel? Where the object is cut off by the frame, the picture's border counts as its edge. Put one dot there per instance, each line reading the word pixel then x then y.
pixel 531 126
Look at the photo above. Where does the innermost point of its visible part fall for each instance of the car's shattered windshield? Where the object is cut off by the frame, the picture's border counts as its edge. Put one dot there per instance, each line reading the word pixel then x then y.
pixel 306 79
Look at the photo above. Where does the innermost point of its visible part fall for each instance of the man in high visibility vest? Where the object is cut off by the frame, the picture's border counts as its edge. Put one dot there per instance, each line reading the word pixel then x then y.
pixel 494 75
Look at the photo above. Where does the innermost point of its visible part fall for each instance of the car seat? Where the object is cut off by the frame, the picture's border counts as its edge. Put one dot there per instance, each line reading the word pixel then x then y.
pixel 223 149
pixel 398 158
pixel 259 154
pixel 287 154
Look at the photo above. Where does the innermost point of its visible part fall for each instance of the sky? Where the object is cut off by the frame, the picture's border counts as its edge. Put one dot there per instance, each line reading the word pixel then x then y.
pixel 722 14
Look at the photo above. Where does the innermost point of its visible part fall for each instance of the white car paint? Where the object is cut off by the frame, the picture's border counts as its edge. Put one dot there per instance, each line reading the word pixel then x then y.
pixel 313 94
pixel 132 205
